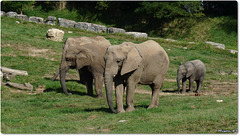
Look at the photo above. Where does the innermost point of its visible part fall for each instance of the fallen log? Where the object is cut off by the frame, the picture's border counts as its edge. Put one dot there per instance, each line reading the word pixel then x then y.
pixel 14 71
pixel 25 86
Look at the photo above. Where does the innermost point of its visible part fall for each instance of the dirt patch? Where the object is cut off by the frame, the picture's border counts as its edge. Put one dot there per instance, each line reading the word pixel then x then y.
pixel 36 52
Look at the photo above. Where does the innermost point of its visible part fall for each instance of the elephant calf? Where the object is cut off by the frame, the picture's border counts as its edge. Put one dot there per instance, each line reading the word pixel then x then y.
pixel 193 71
pixel 129 64
pixel 86 54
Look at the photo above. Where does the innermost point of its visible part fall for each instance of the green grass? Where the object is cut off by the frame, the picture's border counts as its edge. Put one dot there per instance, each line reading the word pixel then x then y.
pixel 53 112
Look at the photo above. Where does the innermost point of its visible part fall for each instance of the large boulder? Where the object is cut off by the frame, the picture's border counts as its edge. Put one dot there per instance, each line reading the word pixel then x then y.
pixel 11 14
pixel 55 34
pixel 51 20
pixel 112 30
pixel 36 19
pixel 137 34
pixel 22 17
pixel 66 23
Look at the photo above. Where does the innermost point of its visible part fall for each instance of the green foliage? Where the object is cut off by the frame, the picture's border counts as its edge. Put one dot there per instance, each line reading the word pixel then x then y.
pixel 16 6
pixel 171 10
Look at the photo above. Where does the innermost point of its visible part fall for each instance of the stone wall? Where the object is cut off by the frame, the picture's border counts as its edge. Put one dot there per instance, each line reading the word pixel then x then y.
pixel 51 20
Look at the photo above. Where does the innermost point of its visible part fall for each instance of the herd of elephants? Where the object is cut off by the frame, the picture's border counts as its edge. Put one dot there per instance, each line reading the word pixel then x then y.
pixel 124 65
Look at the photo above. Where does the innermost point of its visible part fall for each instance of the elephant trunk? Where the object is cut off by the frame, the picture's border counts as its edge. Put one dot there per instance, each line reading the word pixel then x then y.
pixel 109 90
pixel 63 71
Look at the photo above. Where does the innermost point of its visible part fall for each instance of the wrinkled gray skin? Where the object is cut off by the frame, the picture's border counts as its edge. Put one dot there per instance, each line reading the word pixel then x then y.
pixel 193 71
pixel 129 64
pixel 86 54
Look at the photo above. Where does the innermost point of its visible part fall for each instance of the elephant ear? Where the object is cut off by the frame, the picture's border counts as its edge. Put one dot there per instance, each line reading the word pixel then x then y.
pixel 131 62
pixel 84 58
pixel 190 70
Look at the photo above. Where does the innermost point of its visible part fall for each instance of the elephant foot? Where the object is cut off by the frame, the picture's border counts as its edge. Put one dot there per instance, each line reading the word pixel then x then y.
pixel 129 109
pixel 121 111
pixel 152 106
pixel 68 93
pixel 101 96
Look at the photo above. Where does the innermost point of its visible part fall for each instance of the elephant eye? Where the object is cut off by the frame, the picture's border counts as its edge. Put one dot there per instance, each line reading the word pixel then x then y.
pixel 118 61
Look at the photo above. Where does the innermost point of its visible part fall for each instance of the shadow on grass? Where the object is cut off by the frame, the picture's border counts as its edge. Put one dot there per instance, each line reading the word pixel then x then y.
pixel 107 110
pixel 59 90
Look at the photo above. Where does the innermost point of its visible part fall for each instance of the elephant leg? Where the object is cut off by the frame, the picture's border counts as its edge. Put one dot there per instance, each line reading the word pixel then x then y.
pixel 98 86
pixel 130 94
pixel 155 96
pixel 191 84
pixel 199 85
pixel 184 84
pixel 119 88
pixel 87 79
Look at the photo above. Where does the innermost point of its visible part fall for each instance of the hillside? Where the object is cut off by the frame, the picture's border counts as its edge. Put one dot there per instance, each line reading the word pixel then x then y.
pixel 48 110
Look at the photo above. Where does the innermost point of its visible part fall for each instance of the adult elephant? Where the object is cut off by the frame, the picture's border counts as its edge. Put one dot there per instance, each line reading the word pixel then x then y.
pixel 193 71
pixel 86 54
pixel 129 64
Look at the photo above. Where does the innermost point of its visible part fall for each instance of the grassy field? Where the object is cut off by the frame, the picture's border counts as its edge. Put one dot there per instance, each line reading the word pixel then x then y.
pixel 48 110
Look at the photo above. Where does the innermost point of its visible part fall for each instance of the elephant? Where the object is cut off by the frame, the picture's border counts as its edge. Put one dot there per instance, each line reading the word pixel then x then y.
pixel 129 64
pixel 86 54
pixel 193 71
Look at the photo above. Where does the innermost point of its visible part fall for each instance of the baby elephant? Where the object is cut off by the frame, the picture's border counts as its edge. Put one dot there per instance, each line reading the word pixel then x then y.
pixel 194 71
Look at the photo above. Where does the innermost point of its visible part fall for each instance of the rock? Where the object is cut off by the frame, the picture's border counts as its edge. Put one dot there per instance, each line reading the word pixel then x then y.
pixel 1 76
pixel 79 25
pixel 219 100
pixel 137 34
pixel 66 23
pixel 51 20
pixel 17 22
pixel 70 32
pixel 217 45
pixel 233 51
pixel 22 17
pixel 98 28
pixel 55 34
pixel 3 13
pixel 191 42
pixel 11 14
pixel 122 121
pixel 185 48
pixel 171 40
pixel 91 27
pixel 25 86
pixel 112 30
pixel 36 19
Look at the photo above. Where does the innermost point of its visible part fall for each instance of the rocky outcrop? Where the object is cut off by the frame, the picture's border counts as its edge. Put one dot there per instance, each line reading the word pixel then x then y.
pixel 51 20
pixel 22 17
pixel 3 13
pixel 36 19
pixel 217 45
pixel 112 30
pixel 11 14
pixel 137 34
pixel 66 23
